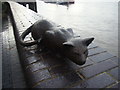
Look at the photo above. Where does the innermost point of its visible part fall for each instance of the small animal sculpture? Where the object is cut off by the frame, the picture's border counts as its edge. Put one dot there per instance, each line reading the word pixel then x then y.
pixel 58 39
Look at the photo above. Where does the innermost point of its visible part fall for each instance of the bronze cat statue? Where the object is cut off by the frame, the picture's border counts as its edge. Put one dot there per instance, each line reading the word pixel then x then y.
pixel 58 39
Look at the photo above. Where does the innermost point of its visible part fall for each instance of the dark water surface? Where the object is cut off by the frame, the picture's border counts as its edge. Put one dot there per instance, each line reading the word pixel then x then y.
pixel 88 19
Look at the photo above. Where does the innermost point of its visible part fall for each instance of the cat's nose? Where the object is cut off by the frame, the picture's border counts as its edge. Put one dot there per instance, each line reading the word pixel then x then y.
pixel 81 63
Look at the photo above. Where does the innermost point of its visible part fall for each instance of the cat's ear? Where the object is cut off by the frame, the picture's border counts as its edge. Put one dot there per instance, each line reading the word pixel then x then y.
pixel 87 41
pixel 68 44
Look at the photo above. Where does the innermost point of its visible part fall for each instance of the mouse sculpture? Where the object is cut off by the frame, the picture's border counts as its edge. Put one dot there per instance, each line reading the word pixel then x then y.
pixel 58 39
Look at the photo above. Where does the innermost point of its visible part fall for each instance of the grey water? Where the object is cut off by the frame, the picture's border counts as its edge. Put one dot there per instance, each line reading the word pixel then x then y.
pixel 88 19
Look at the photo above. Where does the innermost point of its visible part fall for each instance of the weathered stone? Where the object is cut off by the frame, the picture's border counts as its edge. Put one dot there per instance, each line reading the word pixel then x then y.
pixel 37 77
pixel 60 82
pixel 97 68
pixel 116 85
pixel 115 59
pixel 99 81
pixel 32 59
pixel 114 73
pixel 36 66
pixel 29 53
pixel 101 57
pixel 95 51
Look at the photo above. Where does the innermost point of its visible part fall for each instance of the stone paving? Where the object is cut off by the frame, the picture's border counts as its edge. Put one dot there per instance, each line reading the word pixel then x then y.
pixel 46 70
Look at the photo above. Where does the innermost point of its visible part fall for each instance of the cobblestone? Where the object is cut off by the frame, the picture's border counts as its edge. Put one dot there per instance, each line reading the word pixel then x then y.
pixel 37 76
pixel 29 53
pixel 99 81
pixel 101 57
pixel 36 66
pixel 114 73
pixel 60 82
pixel 116 60
pixel 116 85
pixel 96 50
pixel 31 59
pixel 97 68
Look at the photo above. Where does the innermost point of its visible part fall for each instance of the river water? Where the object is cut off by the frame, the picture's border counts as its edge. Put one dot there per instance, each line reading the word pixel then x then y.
pixel 88 19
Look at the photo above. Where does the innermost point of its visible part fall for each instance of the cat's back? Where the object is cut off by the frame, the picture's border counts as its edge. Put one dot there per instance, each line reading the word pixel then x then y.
pixel 57 37
pixel 40 27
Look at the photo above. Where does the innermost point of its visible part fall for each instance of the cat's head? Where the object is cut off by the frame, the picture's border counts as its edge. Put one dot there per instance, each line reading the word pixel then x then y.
pixel 76 49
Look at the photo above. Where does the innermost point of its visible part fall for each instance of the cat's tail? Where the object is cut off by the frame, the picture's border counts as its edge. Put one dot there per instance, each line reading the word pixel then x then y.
pixel 22 37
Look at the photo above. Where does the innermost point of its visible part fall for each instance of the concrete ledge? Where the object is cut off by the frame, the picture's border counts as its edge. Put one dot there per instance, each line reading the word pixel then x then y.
pixel 12 74
pixel 48 71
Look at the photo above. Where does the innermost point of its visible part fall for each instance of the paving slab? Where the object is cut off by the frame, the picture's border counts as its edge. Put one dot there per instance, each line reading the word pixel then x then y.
pixel 101 57
pixel 97 68
pixel 99 81
pixel 114 73
pixel 116 85
pixel 60 82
